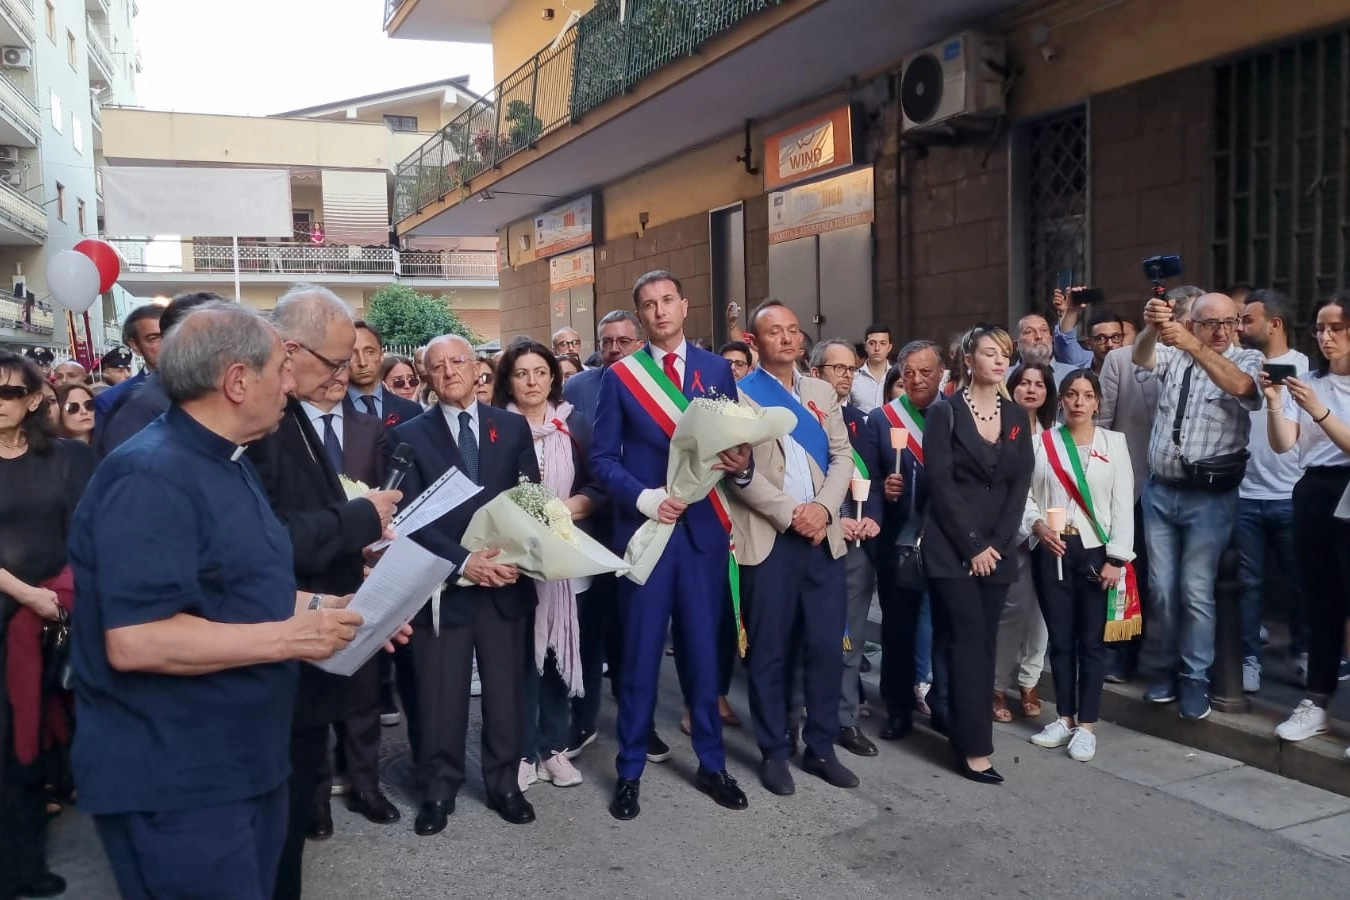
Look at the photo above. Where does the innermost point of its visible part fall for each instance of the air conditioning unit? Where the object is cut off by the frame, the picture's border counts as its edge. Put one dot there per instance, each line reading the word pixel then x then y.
pixel 12 177
pixel 9 154
pixel 16 57
pixel 961 77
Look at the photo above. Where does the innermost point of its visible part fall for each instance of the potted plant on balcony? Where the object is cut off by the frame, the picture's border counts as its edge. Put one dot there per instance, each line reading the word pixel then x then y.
pixel 525 125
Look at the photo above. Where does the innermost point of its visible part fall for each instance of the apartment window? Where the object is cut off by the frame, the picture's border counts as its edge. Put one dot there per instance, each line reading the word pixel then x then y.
pixel 401 123
pixel 1051 156
pixel 1280 160
pixel 61 201
pixel 79 211
pixel 71 49
pixel 58 115
pixel 51 21
pixel 77 133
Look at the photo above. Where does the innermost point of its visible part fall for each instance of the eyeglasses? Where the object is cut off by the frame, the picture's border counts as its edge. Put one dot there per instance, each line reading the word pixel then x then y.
pixel 1108 338
pixel 485 378
pixel 838 370
pixel 1216 324
pixel 575 342
pixel 335 366
pixel 13 392
pixel 398 382
pixel 75 406
pixel 1336 328
pixel 738 364
pixel 623 343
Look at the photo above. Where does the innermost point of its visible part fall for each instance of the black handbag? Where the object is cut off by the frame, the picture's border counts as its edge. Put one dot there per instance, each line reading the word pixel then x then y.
pixel 56 670
pixel 909 573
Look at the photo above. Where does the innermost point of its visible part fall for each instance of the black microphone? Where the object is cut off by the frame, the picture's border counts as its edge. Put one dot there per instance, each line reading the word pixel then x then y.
pixel 398 467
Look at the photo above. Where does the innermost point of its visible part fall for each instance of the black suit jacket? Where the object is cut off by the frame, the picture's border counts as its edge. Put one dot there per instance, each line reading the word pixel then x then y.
pixel 327 532
pixel 396 409
pixel 972 506
pixel 365 449
pixel 505 455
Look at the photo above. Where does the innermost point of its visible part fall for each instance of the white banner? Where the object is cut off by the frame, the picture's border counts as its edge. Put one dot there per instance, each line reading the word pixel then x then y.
pixel 149 200
pixel 829 205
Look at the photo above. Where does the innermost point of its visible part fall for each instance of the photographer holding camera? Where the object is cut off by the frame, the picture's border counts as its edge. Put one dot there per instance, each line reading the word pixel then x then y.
pixel 1197 459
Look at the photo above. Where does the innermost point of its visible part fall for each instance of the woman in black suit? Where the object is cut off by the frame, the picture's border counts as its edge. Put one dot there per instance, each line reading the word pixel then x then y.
pixel 979 460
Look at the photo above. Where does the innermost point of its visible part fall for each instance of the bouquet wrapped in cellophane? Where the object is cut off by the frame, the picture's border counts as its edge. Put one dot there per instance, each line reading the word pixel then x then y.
pixel 707 427
pixel 534 531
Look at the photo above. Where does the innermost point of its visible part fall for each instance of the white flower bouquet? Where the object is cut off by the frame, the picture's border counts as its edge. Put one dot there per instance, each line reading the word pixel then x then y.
pixel 534 531
pixel 354 489
pixel 707 427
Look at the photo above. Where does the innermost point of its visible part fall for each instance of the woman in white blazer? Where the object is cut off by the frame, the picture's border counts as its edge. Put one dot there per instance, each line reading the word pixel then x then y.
pixel 1076 566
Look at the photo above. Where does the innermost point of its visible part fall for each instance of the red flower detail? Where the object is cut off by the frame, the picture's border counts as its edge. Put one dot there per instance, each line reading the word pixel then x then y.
pixel 853 428
pixel 391 420
pixel 1012 435
pixel 492 432
pixel 698 382
pixel 816 409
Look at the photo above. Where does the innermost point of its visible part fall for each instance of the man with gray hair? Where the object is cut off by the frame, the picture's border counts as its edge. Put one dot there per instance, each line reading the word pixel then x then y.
pixel 618 336
pixel 296 466
pixel 1034 345
pixel 185 675
pixel 566 340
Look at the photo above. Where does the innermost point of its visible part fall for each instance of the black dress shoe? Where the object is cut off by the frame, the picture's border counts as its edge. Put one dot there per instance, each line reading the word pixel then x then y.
pixel 374 806
pixel 513 807
pixel 721 787
pixel 988 776
pixel 320 822
pixel 830 770
pixel 432 816
pixel 896 727
pixel 658 751
pixel 625 805
pixel 854 741
pixel 776 777
pixel 46 884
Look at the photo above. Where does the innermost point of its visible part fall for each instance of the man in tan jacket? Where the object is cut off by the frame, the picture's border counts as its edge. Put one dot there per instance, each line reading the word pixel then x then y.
pixel 790 545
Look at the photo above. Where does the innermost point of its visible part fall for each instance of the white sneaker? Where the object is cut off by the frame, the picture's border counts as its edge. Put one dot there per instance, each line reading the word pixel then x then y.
pixel 1308 720
pixel 475 683
pixel 527 775
pixel 1251 675
pixel 559 770
pixel 1056 734
pixel 921 697
pixel 1083 745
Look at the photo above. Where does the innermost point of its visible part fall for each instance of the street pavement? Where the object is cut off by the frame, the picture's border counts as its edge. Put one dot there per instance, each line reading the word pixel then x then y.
pixel 1146 819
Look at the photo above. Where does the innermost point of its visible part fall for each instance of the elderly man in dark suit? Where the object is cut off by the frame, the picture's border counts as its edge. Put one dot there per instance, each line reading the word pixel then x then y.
pixel 491 616
pixel 327 531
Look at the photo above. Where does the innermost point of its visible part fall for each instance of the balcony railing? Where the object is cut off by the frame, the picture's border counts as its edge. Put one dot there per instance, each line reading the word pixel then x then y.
pixel 27 214
pixel 594 61
pixel 35 317
pixel 95 112
pixel 216 256
pixel 20 12
pixel 391 7
pixel 19 109
pixel 98 50
pixel 112 334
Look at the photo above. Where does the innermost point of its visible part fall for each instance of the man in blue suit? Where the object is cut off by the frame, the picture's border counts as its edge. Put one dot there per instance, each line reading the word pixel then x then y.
pixel 640 401
pixel 618 337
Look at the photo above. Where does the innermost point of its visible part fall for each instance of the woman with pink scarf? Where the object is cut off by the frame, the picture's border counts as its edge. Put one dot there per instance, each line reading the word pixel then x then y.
pixel 529 381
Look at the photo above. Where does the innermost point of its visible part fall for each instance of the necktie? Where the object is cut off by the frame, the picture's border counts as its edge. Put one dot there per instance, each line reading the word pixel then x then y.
pixel 468 445
pixel 369 401
pixel 331 445
pixel 671 372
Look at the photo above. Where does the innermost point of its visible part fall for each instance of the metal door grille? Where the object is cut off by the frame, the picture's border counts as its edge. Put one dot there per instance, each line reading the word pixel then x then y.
pixel 1280 158
pixel 1056 204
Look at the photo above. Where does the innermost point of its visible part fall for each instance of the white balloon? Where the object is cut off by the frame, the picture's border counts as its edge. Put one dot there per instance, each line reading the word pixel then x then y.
pixel 72 280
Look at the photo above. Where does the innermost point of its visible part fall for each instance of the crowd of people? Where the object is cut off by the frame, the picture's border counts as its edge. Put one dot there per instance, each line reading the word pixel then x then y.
pixel 1006 497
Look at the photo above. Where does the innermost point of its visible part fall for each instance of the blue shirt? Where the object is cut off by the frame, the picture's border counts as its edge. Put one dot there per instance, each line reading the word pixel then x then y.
pixel 103 403
pixel 176 521
pixel 359 402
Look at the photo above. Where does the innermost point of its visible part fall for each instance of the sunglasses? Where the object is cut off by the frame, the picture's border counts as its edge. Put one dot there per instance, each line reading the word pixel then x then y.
pixel 13 392
pixel 485 378
pixel 398 382
pixel 75 406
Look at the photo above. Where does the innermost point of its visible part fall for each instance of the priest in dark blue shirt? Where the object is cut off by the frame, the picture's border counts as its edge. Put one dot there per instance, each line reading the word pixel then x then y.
pixel 188 626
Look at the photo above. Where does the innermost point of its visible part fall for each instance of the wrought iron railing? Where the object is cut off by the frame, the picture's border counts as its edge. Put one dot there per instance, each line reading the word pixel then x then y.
pixel 596 60
pixel 216 256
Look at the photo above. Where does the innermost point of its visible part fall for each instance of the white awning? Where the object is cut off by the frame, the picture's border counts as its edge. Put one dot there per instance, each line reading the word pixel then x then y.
pixel 355 208
pixel 149 200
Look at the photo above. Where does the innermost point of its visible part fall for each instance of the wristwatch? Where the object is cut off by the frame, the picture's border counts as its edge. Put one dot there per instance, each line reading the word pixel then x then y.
pixel 316 602
pixel 1118 563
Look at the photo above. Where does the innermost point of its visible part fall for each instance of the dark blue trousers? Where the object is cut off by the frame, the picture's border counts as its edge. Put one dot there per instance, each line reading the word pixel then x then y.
pixel 689 585
pixel 226 852
pixel 797 590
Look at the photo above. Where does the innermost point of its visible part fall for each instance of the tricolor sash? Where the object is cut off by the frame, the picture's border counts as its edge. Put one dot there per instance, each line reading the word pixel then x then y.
pixel 902 413
pixel 665 402
pixel 766 390
pixel 1124 618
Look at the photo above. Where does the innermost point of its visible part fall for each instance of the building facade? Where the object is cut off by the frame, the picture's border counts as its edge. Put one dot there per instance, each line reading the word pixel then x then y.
pixel 61 63
pixel 340 158
pixel 762 148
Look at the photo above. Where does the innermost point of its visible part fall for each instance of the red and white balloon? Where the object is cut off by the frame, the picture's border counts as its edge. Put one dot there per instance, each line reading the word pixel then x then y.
pixel 75 278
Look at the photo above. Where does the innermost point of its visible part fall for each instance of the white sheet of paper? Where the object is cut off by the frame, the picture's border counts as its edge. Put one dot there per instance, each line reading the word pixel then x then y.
pixel 396 588
pixel 445 493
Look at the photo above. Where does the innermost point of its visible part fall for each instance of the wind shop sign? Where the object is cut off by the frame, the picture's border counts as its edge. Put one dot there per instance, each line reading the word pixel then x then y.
pixel 819 145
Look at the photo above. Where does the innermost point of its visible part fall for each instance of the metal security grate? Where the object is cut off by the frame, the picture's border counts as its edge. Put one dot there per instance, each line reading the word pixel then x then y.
pixel 1056 203
pixel 1280 158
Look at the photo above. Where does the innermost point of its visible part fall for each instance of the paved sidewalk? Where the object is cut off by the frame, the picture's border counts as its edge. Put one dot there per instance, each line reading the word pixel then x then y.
pixel 1148 818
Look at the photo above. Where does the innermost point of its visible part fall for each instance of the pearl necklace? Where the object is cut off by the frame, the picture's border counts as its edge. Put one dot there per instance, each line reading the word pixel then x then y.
pixel 970 401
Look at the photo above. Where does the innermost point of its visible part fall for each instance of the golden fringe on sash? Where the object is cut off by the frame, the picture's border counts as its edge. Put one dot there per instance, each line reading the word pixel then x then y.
pixel 1125 629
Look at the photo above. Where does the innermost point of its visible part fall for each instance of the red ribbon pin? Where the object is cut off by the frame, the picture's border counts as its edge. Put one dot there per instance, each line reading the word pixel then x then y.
pixel 1012 435
pixel 816 409
pixel 492 433
pixel 698 382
